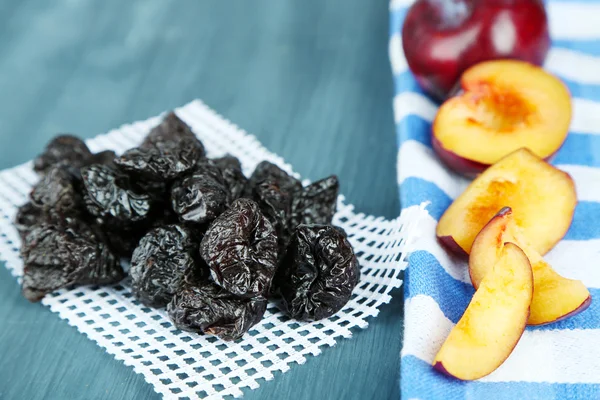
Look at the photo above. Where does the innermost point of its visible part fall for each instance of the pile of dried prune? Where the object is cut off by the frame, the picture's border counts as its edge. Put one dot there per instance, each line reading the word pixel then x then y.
pixel 202 239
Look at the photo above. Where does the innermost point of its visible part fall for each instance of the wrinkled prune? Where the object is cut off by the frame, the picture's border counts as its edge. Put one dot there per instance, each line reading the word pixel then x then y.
pixel 232 174
pixel 228 162
pixel 106 157
pixel 111 197
pixel 316 203
pixel 163 257
pixel 273 189
pixel 28 216
pixel 275 203
pixel 58 193
pixel 57 256
pixel 202 195
pixel 205 307
pixel 318 273
pixel 341 231
pixel 163 161
pixel 171 129
pixel 267 170
pixel 67 149
pixel 240 248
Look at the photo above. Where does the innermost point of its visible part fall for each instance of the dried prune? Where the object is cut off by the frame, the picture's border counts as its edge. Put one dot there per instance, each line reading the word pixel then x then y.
pixel 110 196
pixel 163 161
pixel 58 193
pixel 171 129
pixel 204 307
pixel 232 174
pixel 273 189
pixel 106 157
pixel 275 203
pixel 228 162
pixel 318 273
pixel 28 216
pixel 240 248
pixel 67 149
pixel 202 195
pixel 163 257
pixel 72 253
pixel 267 170
pixel 316 203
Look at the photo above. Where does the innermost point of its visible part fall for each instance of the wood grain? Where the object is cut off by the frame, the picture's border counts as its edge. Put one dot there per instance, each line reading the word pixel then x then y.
pixel 310 79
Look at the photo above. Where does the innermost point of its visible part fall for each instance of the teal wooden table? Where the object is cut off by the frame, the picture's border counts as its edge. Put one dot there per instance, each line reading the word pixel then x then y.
pixel 310 79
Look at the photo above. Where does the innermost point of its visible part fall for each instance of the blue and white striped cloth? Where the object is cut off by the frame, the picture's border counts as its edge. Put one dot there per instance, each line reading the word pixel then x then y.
pixel 557 361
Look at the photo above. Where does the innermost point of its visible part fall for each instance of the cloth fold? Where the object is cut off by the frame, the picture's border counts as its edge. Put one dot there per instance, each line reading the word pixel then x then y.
pixel 556 361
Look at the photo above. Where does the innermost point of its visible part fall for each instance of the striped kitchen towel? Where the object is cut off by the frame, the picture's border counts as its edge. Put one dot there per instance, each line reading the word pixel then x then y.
pixel 556 361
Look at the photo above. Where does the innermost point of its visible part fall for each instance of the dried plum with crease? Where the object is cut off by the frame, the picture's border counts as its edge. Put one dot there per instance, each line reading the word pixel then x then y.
pixel 171 129
pixel 318 273
pixel 273 189
pixel 228 162
pixel 202 195
pixel 235 179
pixel 65 149
pixel 58 256
pixel 240 248
pixel 316 203
pixel 163 257
pixel 275 203
pixel 111 197
pixel 106 157
pixel 267 170
pixel 58 193
pixel 205 307
pixel 163 161
pixel 28 216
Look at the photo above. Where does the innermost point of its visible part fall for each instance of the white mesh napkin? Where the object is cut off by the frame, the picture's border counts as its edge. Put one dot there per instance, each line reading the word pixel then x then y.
pixel 186 365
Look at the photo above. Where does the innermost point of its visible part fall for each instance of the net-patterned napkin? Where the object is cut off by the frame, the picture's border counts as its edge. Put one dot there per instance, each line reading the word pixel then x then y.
pixel 185 365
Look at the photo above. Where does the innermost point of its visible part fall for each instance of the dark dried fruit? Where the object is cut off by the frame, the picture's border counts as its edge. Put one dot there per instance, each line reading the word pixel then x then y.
pixel 240 248
pixel 106 157
pixel 163 161
pixel 205 307
pixel 202 195
pixel 341 231
pixel 316 203
pixel 273 189
pixel 318 273
pixel 111 197
pixel 58 192
pixel 66 149
pixel 228 162
pixel 276 205
pixel 171 129
pixel 163 257
pixel 267 170
pixel 58 256
pixel 232 174
pixel 28 216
